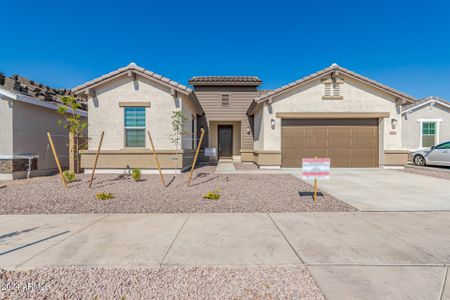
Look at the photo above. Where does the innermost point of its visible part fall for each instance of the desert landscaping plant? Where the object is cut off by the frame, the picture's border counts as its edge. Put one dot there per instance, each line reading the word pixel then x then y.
pixel 69 176
pixel 72 122
pixel 178 120
pixel 136 174
pixel 212 195
pixel 104 196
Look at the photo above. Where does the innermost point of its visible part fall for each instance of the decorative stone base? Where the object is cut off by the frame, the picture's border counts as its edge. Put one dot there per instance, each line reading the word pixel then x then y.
pixel 12 165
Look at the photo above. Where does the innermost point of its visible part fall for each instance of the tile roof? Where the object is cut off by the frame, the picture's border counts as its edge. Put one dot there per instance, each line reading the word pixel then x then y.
pixel 424 100
pixel 133 67
pixel 261 93
pixel 330 69
pixel 20 85
pixel 225 79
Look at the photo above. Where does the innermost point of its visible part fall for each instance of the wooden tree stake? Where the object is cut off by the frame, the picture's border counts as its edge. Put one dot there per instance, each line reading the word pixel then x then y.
pixel 96 159
pixel 156 159
pixel 196 155
pixel 56 159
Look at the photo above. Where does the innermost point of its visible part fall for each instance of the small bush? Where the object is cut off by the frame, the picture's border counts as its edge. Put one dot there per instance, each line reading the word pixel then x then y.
pixel 212 195
pixel 136 174
pixel 104 196
pixel 69 176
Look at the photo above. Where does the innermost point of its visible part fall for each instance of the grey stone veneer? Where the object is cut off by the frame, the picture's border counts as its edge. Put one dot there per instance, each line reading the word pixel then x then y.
pixel 15 165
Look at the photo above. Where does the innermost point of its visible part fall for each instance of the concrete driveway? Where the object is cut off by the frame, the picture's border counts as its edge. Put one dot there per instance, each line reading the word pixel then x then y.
pixel 387 190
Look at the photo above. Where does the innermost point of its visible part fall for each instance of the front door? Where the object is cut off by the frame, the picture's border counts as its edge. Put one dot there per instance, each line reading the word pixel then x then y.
pixel 225 141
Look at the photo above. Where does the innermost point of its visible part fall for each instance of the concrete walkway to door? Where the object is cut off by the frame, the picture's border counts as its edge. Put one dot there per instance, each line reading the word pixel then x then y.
pixel 387 190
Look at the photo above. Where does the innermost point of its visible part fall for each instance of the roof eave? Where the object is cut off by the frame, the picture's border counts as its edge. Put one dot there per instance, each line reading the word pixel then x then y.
pixel 130 70
pixel 328 71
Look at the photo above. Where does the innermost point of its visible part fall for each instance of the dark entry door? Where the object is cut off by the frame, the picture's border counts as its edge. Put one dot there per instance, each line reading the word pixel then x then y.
pixel 225 141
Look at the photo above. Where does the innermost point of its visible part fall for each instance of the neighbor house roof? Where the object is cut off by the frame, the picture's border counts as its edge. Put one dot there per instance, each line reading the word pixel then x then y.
pixel 261 93
pixel 132 67
pixel 327 71
pixel 20 88
pixel 431 100
pixel 225 80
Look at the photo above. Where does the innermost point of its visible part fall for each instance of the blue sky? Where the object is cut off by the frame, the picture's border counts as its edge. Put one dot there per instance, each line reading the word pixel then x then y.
pixel 404 44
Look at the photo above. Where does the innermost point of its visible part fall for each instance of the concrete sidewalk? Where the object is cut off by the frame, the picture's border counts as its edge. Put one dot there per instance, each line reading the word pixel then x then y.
pixel 350 255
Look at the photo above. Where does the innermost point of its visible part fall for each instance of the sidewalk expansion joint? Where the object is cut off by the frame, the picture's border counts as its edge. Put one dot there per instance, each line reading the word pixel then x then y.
pixel 285 238
pixel 51 246
pixel 443 284
pixel 173 242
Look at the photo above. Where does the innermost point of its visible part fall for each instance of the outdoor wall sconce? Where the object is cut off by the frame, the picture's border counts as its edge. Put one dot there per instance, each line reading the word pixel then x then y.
pixel 393 123
pixel 272 123
pixel 248 130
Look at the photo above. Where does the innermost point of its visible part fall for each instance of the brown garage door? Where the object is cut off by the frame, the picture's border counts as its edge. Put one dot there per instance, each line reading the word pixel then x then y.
pixel 348 142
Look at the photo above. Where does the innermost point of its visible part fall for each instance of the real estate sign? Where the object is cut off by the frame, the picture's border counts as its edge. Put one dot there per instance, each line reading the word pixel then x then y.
pixel 316 168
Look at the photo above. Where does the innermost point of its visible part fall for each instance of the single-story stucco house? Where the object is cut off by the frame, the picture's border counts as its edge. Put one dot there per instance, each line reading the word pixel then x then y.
pixel 425 123
pixel 27 113
pixel 335 113
pixel 127 103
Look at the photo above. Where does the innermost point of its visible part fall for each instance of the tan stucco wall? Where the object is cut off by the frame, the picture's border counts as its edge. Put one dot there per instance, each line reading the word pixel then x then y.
pixel 106 115
pixel 357 97
pixel 6 133
pixel 31 123
pixel 411 125
pixel 258 130
pixel 395 157
pixel 143 159
pixel 189 113
pixel 236 135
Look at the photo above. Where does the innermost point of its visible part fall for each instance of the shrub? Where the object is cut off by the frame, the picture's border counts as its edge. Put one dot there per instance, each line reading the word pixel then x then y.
pixel 136 174
pixel 69 176
pixel 104 196
pixel 212 195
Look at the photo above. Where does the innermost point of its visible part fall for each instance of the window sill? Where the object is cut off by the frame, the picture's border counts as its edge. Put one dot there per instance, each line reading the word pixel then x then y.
pixel 332 97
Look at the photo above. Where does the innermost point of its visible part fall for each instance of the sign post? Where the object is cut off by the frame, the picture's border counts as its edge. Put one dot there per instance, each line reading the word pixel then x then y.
pixel 315 168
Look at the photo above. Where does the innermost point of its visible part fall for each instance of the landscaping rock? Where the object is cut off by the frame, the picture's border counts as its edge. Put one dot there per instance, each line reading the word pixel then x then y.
pixel 239 193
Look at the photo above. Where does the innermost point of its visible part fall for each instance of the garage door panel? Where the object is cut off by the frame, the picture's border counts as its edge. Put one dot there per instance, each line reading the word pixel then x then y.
pixel 349 143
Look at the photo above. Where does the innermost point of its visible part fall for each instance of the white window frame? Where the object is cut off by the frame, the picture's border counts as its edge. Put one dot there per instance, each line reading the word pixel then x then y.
pixel 133 127
pixel 438 127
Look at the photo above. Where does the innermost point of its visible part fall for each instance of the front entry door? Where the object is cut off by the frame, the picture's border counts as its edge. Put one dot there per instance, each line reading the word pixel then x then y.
pixel 225 141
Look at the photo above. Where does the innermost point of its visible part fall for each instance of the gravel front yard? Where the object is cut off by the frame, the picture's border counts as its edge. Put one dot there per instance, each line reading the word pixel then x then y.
pixel 239 193
pixel 286 282
pixel 245 166
pixel 438 172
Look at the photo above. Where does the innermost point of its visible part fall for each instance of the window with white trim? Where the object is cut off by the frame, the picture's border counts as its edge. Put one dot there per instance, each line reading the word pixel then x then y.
pixel 428 134
pixel 134 127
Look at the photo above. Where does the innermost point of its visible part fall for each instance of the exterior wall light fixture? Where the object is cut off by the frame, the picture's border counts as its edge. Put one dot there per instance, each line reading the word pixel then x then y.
pixel 394 123
pixel 248 130
pixel 272 123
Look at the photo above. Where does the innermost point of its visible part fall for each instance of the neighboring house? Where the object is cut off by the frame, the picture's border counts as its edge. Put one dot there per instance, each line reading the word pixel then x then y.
pixel 27 113
pixel 425 123
pixel 225 100
pixel 333 113
pixel 127 103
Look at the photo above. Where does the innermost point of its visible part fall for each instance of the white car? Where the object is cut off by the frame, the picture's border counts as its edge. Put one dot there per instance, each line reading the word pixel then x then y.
pixel 436 155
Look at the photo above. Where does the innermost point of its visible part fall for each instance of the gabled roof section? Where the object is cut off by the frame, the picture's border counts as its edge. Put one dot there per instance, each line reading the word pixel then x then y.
pixel 132 67
pixel 431 100
pixel 225 80
pixel 328 71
